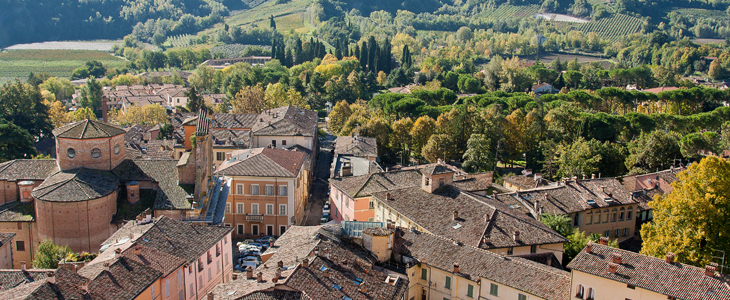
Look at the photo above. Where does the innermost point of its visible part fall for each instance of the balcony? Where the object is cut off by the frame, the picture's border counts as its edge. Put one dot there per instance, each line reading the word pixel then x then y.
pixel 254 218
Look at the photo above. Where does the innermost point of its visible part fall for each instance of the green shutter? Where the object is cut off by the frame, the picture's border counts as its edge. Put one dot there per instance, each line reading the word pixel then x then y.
pixel 522 297
pixel 448 283
pixel 494 289
pixel 470 291
pixel 424 274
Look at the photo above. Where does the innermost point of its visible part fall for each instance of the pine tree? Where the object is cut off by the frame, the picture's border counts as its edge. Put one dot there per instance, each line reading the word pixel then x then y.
pixel 272 23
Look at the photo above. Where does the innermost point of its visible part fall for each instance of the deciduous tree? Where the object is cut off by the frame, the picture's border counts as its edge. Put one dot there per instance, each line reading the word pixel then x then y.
pixel 479 155
pixel 693 219
pixel 15 142
pixel 249 100
pixel 49 255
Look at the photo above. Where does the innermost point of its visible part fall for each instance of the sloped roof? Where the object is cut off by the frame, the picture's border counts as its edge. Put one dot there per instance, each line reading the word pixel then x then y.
pixel 153 258
pixel 522 274
pixel 436 170
pixel 264 162
pixel 27 169
pixel 574 196
pixel 526 182
pixel 79 184
pixel 14 277
pixel 286 120
pixel 365 185
pixel 356 146
pixel 675 280
pixel 482 222
pixel 87 129
pixel 5 237
pixel 164 172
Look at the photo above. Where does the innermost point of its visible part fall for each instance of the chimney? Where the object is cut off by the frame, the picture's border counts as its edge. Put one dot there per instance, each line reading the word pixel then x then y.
pixel 516 235
pixel 387 196
pixel 275 279
pixel 616 258
pixel 85 285
pixel 710 271
pixel 22 265
pixel 456 215
pixel 537 204
pixel 51 277
pixel 670 258
pixel 280 264
pixel 249 272
pixel 494 193
pixel 363 289
pixel 305 263
pixel 137 250
pixel 604 240
pixel 440 161
pixel 278 273
pixel 584 176
pixel 260 277
pixel 456 268
pixel 612 268
pixel 589 247
pixel 334 259
pixel 117 253
pixel 593 176
pixel 106 266
pixel 211 296
pixel 603 188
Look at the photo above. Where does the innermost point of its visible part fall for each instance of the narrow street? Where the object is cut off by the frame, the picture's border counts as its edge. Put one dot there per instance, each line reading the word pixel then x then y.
pixel 319 183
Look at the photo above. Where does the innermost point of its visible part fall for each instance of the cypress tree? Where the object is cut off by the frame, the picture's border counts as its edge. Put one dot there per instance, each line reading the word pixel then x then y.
pixel 373 51
pixel 273 49
pixel 272 23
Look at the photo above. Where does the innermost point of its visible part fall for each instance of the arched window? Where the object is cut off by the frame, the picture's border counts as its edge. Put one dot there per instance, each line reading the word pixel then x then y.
pixel 116 149
pixel 71 153
pixel 95 153
pixel 579 291
pixel 591 294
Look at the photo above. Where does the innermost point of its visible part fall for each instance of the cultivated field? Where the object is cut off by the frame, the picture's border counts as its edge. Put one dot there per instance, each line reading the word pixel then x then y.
pixel 614 27
pixel 560 18
pixel 708 41
pixel 546 58
pixel 511 11
pixel 66 45
pixel 19 63
pixel 286 23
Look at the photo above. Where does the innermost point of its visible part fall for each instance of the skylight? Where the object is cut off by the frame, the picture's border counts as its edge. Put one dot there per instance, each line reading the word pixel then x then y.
pixel 591 202
pixel 457 226
pixel 323 268
pixel 337 287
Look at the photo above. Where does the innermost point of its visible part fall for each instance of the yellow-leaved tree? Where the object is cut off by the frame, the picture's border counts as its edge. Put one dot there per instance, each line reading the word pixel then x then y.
pixel 149 115
pixel 338 116
pixel 693 220
pixel 58 114
pixel 83 113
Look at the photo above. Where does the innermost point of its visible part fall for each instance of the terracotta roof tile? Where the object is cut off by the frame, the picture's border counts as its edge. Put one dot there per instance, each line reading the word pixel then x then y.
pixel 675 280
pixel 76 185
pixel 87 129
pixel 356 146
pixel 12 278
pixel 525 275
pixel 287 120
pixel 27 169
pixel 164 172
pixel 5 237
pixel 264 162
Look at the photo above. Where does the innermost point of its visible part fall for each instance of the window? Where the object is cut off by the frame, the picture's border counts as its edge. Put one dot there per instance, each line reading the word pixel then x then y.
pixel 255 229
pixel 628 215
pixel 239 189
pixel 591 294
pixel 71 153
pixel 210 274
pixel 269 190
pixel 269 209
pixel 283 142
pixel 20 245
pixel 428 181
pixel 191 289
pixel 167 287
pixel 579 292
pixel 371 205
pixel 217 268
pixel 282 209
pixel 521 297
pixel 254 208
pixel 576 220
pixel 254 189
pixel 613 217
pixel 470 291
pixel 239 208
pixel 269 229
pixel 605 218
pixel 95 153
pixel 153 291
pixel 116 149
pixel 626 232
pixel 621 216
pixel 441 182
pixel 607 233
pixel 424 274
pixel 447 283
pixel 220 155
pixel 240 229
pixel 273 143
pixel 510 251
pixel 533 249
pixel 347 202
pixel 20 226
pixel 282 229
pixel 630 286
pixel 283 190
pixel 226 259
pixel 589 219
pixel 616 233
pixel 493 289
pixel 180 295
pixel 190 269
pixel 179 277
pixel 228 208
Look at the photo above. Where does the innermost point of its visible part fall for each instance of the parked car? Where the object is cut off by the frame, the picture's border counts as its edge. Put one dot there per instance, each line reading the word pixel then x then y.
pixel 251 253
pixel 323 221
pixel 248 241
pixel 252 258
pixel 246 264
pixel 265 240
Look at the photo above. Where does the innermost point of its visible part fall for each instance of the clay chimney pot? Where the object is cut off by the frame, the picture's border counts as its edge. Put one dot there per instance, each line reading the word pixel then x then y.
pixel 456 268
pixel 260 277
pixel 604 240
pixel 670 258
pixel 589 247
pixel 616 258
pixel 612 267
pixel 710 271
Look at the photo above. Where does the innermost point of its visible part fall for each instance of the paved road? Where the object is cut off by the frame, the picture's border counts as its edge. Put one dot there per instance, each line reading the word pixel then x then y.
pixel 319 183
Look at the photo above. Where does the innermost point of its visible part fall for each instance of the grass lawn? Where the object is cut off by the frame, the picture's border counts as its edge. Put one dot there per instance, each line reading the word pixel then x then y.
pixel 19 63
pixel 286 23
